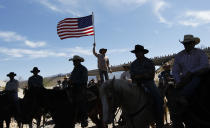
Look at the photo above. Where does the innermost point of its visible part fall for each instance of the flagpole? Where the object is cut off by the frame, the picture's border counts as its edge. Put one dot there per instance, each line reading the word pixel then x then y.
pixel 94 27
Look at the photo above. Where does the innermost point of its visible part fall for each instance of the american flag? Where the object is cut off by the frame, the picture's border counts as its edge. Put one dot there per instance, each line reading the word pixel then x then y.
pixel 75 27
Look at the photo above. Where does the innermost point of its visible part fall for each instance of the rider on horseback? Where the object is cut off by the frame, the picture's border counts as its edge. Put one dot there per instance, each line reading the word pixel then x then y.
pixel 35 81
pixel 188 65
pixel 78 81
pixel 12 89
pixel 142 72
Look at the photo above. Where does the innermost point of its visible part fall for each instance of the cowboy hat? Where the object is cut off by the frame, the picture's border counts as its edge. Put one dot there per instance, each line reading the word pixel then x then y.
pixel 76 57
pixel 102 49
pixel 166 66
pixel 66 77
pixel 140 48
pixel 35 69
pixel 190 38
pixel 11 74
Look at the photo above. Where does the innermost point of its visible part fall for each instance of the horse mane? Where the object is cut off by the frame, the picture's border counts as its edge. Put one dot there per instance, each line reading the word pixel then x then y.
pixel 117 85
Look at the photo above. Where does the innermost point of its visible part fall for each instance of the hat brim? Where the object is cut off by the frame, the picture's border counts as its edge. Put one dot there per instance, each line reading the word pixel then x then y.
pixel 196 41
pixel 11 74
pixel 101 50
pixel 145 51
pixel 81 60
pixel 35 71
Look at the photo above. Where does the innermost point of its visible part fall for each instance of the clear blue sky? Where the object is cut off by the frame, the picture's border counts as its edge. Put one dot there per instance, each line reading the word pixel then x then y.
pixel 28 35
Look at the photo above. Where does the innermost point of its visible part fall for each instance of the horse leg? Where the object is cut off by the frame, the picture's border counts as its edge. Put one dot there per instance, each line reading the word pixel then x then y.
pixel 44 120
pixel 8 122
pixel 20 125
pixel 38 120
pixel 30 124
pixel 1 124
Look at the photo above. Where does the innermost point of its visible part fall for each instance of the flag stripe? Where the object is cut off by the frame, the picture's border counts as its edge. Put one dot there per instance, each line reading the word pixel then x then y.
pixel 67 25
pixel 74 36
pixel 73 30
pixel 67 22
pixel 75 27
pixel 81 33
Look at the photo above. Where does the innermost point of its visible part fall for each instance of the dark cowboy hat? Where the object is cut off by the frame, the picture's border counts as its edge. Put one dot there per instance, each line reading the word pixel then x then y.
pixel 102 49
pixel 11 74
pixel 76 57
pixel 190 38
pixel 35 69
pixel 140 48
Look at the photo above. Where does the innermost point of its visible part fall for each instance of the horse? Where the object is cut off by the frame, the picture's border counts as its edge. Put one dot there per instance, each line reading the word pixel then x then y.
pixel 135 102
pixel 29 110
pixel 7 109
pixel 54 102
pixel 194 114
pixel 61 106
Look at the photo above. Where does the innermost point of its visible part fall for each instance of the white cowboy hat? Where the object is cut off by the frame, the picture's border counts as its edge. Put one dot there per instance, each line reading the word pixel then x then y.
pixel 76 57
pixel 190 38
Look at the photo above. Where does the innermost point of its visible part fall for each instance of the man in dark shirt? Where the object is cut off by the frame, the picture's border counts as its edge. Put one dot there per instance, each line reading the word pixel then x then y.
pixel 35 81
pixel 142 72
pixel 78 81
pixel 165 76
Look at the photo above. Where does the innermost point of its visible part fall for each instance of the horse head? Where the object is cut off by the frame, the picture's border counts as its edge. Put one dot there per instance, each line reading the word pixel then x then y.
pixel 108 100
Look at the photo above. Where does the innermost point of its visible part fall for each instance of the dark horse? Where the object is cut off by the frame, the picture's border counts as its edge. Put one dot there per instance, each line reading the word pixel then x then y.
pixel 6 109
pixel 196 114
pixel 55 102
pixel 27 110
pixel 61 106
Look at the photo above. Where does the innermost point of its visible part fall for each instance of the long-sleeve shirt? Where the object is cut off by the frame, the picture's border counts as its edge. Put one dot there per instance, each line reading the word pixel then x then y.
pixel 139 68
pixel 12 85
pixel 35 81
pixel 79 75
pixel 185 62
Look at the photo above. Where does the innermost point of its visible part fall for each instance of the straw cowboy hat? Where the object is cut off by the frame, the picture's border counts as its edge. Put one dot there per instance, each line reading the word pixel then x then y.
pixel 140 48
pixel 11 74
pixel 166 66
pixel 102 49
pixel 190 38
pixel 76 57
pixel 66 77
pixel 35 69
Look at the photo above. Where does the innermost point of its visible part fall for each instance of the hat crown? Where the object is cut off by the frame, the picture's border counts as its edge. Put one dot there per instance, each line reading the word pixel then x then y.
pixel 35 69
pixel 139 47
pixel 76 57
pixel 188 37
pixel 11 74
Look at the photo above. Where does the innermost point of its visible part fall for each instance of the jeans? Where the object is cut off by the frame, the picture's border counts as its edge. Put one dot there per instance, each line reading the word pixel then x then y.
pixel 151 87
pixel 190 88
pixel 103 74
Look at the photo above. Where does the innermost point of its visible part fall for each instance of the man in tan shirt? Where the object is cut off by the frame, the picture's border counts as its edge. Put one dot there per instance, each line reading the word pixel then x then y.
pixel 103 63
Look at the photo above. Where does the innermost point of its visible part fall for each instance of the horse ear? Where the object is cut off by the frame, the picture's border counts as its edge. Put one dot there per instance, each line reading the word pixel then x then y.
pixel 112 82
